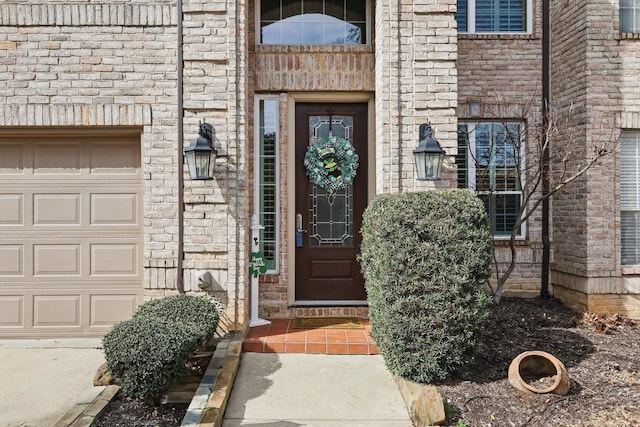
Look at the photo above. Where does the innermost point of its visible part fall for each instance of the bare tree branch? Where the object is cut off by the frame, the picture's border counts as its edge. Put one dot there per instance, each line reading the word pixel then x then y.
pixel 492 166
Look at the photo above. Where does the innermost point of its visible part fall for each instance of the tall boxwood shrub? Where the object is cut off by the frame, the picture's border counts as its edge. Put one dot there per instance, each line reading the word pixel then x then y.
pixel 426 257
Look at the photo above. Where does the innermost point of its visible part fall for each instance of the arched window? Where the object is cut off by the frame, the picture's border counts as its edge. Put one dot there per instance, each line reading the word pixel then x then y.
pixel 313 22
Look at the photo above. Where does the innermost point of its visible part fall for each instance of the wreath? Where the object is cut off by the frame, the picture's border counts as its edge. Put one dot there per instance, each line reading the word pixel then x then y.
pixel 331 163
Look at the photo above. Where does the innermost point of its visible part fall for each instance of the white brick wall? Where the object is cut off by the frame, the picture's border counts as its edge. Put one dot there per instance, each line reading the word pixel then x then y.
pixel 114 63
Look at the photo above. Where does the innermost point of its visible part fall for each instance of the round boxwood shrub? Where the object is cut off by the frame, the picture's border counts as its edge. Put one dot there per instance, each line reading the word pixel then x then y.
pixel 148 353
pixel 426 257
pixel 197 312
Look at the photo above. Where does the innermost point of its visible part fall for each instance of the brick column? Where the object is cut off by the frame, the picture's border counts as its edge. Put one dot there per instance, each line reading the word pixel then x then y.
pixel 416 82
pixel 215 90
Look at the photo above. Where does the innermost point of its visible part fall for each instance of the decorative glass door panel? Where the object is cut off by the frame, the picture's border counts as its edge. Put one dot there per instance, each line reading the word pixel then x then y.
pixel 330 215
pixel 328 240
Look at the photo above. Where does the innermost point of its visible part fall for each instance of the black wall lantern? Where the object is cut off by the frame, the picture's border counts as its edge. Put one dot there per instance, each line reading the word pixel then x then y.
pixel 428 155
pixel 201 154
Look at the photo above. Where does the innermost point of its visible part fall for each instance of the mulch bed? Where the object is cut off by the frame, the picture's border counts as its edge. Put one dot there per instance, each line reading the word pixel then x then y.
pixel 601 353
pixel 127 412
pixel 124 412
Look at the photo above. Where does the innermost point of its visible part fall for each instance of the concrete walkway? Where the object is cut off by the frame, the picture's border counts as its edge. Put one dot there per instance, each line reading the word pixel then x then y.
pixel 314 390
pixel 41 379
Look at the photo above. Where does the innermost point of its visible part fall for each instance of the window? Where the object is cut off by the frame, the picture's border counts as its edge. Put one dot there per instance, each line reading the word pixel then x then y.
pixel 489 163
pixel 630 196
pixel 494 16
pixel 267 179
pixel 313 21
pixel 630 16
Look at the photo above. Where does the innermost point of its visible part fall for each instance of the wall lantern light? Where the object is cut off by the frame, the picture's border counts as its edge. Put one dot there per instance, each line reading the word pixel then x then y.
pixel 200 155
pixel 474 108
pixel 428 155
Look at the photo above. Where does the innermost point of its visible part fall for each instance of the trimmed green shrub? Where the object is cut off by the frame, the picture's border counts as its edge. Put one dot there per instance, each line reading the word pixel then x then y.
pixel 426 257
pixel 148 353
pixel 196 312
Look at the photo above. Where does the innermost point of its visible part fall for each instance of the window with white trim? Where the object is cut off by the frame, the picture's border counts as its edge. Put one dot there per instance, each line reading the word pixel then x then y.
pixel 630 16
pixel 494 16
pixel 313 22
pixel 267 178
pixel 630 196
pixel 489 163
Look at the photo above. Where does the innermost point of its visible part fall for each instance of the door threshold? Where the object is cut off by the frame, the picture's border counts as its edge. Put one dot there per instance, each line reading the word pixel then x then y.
pixel 329 303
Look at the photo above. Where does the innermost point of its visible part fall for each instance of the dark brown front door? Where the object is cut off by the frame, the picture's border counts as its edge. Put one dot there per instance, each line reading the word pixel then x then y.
pixel 326 265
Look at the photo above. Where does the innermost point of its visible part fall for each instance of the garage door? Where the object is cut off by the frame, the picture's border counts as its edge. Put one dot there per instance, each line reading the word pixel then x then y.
pixel 70 233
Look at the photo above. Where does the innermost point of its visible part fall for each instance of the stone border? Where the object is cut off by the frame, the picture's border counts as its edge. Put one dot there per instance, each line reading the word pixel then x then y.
pixel 210 400
pixel 207 405
pixel 89 407
pixel 423 402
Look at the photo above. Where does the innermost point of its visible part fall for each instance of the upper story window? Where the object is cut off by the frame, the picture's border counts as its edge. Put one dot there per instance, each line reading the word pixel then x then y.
pixel 489 163
pixel 630 196
pixel 494 16
pixel 313 22
pixel 630 16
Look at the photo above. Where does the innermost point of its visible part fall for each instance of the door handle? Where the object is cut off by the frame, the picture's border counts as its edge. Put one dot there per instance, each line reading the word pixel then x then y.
pixel 299 231
pixel 299 221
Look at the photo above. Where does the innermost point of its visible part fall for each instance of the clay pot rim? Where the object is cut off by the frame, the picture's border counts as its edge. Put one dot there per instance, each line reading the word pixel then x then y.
pixel 556 364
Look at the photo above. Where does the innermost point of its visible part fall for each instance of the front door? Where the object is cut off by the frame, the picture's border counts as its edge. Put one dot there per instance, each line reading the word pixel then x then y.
pixel 326 265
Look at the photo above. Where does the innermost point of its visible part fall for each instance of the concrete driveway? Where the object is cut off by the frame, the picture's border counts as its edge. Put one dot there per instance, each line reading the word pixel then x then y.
pixel 40 380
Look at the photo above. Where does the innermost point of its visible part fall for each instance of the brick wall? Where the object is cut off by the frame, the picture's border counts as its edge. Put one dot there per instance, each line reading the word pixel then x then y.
pixel 215 90
pixel 503 72
pixel 113 63
pixel 282 70
pixel 595 72
pixel 414 78
pixel 568 58
pixel 416 82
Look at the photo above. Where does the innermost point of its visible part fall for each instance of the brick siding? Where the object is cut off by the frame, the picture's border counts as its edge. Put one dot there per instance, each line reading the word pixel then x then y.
pixel 114 63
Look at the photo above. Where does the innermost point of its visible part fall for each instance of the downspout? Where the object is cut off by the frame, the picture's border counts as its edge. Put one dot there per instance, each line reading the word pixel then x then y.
pixel 180 65
pixel 399 87
pixel 237 124
pixel 546 97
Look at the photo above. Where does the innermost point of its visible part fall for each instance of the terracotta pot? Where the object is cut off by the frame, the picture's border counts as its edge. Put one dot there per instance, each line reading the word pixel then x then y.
pixel 534 366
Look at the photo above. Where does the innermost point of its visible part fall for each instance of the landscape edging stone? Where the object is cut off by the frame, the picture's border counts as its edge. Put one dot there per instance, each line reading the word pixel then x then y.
pixel 203 410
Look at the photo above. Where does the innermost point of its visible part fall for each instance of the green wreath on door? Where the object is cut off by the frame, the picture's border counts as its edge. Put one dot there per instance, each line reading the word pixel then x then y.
pixel 331 163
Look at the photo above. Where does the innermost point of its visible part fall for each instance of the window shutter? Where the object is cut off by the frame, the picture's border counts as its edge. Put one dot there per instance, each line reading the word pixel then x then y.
pixel 461 157
pixel 630 197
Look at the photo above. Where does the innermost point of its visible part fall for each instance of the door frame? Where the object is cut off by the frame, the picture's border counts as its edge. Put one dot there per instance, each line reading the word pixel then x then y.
pixel 321 98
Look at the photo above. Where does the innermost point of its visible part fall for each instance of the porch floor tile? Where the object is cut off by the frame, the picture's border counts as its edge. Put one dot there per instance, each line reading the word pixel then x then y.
pixel 281 337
